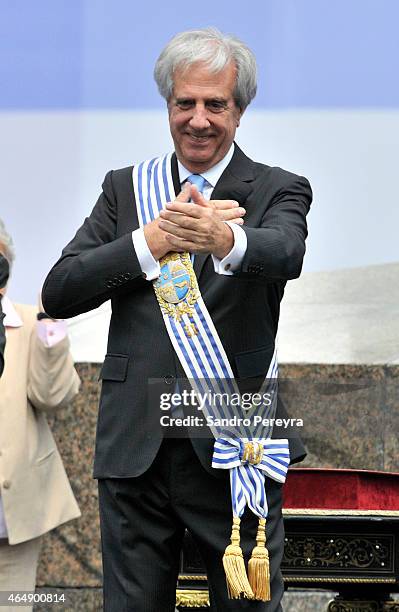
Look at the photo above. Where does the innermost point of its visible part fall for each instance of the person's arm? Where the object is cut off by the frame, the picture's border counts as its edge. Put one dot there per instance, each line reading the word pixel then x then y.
pixel 95 265
pixel 233 260
pixel 52 379
pixel 275 237
pixel 4 271
pixel 276 248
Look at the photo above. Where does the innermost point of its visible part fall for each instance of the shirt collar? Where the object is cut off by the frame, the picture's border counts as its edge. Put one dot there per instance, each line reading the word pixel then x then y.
pixel 213 174
pixel 12 318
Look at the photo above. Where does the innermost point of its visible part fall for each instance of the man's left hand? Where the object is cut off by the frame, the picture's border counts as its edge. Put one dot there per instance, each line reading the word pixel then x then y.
pixel 196 226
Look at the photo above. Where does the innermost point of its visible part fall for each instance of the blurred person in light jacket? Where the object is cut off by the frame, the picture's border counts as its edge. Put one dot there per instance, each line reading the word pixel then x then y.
pixel 39 377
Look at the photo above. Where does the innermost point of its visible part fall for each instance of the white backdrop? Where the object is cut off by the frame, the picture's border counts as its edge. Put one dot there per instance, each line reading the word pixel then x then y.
pixel 53 164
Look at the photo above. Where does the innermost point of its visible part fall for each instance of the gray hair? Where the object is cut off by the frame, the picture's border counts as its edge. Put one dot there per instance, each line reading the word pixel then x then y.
pixel 217 50
pixel 7 243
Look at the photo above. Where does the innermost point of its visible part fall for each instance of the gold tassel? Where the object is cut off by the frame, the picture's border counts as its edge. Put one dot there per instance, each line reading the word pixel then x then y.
pixel 258 567
pixel 234 566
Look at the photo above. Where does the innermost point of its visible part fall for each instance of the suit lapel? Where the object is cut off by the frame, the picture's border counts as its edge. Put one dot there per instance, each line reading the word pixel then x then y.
pixel 234 184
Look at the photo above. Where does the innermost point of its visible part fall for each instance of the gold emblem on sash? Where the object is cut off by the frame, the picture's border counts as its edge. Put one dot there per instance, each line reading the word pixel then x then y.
pixel 253 453
pixel 177 288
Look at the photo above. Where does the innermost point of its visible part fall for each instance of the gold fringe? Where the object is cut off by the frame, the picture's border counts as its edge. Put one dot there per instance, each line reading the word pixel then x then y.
pixel 258 567
pixel 234 566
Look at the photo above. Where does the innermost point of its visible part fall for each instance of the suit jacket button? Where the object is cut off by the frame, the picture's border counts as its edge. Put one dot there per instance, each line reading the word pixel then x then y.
pixel 7 484
pixel 169 379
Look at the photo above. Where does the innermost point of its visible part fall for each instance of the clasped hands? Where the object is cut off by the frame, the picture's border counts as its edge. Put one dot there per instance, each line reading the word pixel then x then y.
pixel 197 226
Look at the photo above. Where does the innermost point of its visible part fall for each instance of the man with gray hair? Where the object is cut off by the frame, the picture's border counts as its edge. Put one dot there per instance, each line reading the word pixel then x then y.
pixel 194 249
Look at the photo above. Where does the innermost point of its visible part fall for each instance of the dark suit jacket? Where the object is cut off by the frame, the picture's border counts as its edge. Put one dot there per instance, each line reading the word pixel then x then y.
pixel 4 269
pixel 100 263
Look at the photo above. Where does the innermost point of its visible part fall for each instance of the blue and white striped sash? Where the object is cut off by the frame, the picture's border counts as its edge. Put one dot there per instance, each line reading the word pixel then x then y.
pixel 204 360
pixel 246 479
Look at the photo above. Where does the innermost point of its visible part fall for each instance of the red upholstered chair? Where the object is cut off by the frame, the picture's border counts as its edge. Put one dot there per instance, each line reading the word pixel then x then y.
pixel 329 489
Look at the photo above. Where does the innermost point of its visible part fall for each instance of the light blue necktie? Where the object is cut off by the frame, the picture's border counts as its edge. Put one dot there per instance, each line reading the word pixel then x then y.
pixel 198 181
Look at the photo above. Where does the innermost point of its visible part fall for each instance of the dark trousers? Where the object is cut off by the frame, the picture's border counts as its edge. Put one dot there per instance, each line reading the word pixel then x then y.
pixel 142 527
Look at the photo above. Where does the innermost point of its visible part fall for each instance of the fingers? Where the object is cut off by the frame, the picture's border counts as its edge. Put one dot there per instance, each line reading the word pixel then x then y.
pixel 237 221
pixel 185 194
pixel 190 192
pixel 179 245
pixel 176 230
pixel 228 210
pixel 231 214
pixel 197 197
pixel 191 210
pixel 178 219
pixel 224 204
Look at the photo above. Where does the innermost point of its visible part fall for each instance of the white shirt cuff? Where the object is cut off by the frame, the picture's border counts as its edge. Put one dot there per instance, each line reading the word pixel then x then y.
pixel 232 262
pixel 149 266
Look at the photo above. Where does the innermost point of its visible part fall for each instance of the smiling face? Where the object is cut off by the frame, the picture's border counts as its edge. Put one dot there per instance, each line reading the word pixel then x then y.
pixel 203 115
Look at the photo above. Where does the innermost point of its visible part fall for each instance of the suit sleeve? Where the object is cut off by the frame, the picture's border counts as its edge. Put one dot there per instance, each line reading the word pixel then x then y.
pixel 52 381
pixel 276 248
pixel 95 265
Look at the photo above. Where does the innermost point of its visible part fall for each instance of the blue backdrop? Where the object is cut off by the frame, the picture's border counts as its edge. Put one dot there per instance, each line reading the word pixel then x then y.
pixel 93 54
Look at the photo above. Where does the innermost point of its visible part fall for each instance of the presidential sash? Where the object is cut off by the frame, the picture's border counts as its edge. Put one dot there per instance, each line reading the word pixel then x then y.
pixel 250 454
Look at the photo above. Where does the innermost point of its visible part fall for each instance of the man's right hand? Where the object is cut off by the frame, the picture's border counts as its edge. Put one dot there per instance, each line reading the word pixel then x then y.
pixel 227 210
pixel 155 236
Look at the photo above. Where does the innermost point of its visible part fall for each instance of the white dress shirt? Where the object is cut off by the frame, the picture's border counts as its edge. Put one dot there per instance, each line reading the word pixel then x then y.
pixel 229 264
